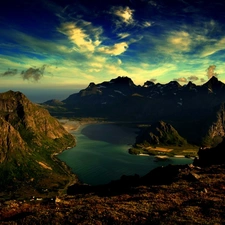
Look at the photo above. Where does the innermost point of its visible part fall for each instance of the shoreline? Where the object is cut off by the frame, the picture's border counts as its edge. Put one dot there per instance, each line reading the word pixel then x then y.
pixel 70 126
pixel 74 125
pixel 72 177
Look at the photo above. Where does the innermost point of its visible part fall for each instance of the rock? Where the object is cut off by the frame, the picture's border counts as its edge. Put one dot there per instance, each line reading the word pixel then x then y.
pixel 211 156
pixel 195 176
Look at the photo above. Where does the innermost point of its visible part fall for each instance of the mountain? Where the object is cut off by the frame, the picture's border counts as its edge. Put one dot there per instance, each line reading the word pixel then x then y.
pixel 54 102
pixel 211 156
pixel 190 108
pixel 214 85
pixel 160 134
pixel 29 138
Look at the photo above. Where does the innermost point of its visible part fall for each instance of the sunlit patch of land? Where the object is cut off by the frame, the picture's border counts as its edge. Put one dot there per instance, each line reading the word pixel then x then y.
pixel 75 123
pixel 70 125
pixel 160 149
pixel 170 151
pixel 44 165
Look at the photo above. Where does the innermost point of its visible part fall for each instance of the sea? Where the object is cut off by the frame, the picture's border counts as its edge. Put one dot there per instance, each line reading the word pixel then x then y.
pixel 101 154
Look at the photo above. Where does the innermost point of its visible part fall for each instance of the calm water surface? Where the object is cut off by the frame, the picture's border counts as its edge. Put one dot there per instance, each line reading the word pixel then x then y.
pixel 101 154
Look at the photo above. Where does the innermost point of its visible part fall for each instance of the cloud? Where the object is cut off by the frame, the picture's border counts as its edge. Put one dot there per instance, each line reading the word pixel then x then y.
pixel 82 34
pixel 115 70
pixel 33 73
pixel 116 49
pixel 27 44
pixel 202 80
pixel 193 78
pixel 153 3
pixel 119 61
pixel 211 71
pixel 213 46
pixel 180 40
pixel 96 67
pixel 123 35
pixel 146 24
pixel 181 79
pixel 124 15
pixel 153 80
pixel 10 72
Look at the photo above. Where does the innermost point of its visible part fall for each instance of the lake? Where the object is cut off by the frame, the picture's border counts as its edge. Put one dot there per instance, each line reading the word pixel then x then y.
pixel 101 154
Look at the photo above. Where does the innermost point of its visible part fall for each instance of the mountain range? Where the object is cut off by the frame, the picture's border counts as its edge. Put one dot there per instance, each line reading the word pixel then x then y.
pixel 195 111
pixel 29 138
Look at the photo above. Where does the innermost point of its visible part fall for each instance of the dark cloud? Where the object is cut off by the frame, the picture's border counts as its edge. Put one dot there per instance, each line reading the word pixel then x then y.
pixel 33 73
pixel 211 71
pixel 10 72
pixel 181 79
pixel 202 80
pixel 153 80
pixel 193 78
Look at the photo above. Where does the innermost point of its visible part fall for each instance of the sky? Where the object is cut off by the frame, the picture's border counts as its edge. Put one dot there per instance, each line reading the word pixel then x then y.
pixel 63 45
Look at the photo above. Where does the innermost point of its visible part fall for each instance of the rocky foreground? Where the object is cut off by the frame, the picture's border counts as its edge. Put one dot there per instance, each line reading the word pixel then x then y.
pixel 189 195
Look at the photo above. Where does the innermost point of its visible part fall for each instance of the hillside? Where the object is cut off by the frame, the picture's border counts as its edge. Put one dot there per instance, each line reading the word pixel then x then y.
pixel 190 195
pixel 29 138
pixel 162 139
pixel 160 134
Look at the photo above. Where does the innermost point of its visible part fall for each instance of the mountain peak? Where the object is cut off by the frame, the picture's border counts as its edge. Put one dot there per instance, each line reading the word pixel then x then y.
pixel 149 84
pixel 173 83
pixel 160 133
pixel 213 83
pixel 212 80
pixel 123 81
pixel 190 86
pixel 91 85
pixel 12 94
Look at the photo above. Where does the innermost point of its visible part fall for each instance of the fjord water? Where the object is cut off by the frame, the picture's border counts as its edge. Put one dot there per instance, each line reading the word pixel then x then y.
pixel 101 154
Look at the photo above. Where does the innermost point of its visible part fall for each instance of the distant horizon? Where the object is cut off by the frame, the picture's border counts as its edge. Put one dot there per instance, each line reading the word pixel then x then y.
pixel 42 95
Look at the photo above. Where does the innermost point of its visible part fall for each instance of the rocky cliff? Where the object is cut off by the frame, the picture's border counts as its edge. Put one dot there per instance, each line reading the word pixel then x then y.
pixel 211 156
pixel 162 134
pixel 214 127
pixel 10 140
pixel 29 137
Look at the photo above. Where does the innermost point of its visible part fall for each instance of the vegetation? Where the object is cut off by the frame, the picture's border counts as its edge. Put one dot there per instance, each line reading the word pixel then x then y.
pixel 29 139
pixel 170 151
pixel 162 139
